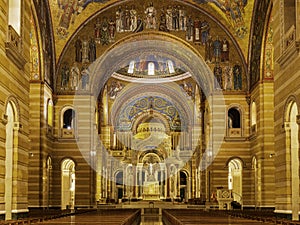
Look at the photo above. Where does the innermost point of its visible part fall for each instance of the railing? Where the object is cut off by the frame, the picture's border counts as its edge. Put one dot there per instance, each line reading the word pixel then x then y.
pixel 235 132
pixel 14 48
pixel 14 39
pixel 68 133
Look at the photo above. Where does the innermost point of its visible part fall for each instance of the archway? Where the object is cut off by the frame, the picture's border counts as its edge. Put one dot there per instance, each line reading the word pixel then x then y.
pixel 294 142
pixel 9 164
pixel 235 179
pixel 164 45
pixel 67 184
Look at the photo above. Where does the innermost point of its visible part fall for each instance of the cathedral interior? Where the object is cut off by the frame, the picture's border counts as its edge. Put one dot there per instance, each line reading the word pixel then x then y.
pixel 193 102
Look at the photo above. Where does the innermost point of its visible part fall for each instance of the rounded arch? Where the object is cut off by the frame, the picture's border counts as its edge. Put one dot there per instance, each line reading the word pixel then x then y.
pixel 155 43
pixel 67 183
pixel 169 92
pixel 243 164
pixel 234 117
pixel 165 45
pixel 62 113
pixel 288 105
pixel 13 101
pixel 119 177
pixel 145 115
pixel 223 27
pixel 186 172
pixel 66 159
pixel 155 152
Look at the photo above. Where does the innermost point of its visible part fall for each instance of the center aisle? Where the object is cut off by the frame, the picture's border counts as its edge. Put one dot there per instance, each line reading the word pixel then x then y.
pixel 124 216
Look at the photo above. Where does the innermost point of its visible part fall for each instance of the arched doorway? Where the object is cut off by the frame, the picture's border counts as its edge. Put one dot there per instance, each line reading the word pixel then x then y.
pixel 67 184
pixel 119 184
pixel 294 142
pixel 9 164
pixel 48 180
pixel 183 182
pixel 235 179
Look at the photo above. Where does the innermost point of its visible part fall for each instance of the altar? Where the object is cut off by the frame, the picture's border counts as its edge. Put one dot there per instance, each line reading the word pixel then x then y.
pixel 151 190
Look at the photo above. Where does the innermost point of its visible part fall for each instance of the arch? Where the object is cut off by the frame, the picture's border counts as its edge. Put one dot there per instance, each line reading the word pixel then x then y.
pixel 67 183
pixel 187 4
pixel 11 116
pixel 48 179
pixel 235 178
pixel 145 115
pixel 156 43
pixel 68 122
pixel 234 117
pixel 287 107
pixel 153 151
pixel 169 46
pixel 170 92
pixel 119 177
pixel 15 104
pixel 185 173
pixel 68 118
pixel 235 157
pixel 292 140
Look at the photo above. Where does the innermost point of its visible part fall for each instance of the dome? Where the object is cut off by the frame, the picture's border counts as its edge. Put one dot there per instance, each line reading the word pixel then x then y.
pixel 151 124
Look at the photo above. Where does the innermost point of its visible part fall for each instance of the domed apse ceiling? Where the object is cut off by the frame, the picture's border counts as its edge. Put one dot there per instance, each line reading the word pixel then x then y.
pixel 85 30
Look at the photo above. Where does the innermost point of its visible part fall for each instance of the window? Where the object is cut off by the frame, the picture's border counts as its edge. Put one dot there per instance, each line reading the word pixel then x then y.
pixel 253 117
pixel 50 113
pixel 234 120
pixel 131 67
pixel 151 68
pixel 14 15
pixel 170 66
pixel 68 123
pixel 69 119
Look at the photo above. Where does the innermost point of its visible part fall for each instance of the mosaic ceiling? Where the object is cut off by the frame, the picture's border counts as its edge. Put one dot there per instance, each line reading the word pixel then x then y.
pixel 218 29
pixel 69 15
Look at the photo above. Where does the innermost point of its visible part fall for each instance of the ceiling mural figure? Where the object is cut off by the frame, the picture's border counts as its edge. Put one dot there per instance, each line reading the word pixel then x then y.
pixel 67 12
pixel 234 11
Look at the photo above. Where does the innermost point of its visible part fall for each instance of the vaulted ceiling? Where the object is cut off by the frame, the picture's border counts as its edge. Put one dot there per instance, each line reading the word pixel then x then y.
pixel 71 20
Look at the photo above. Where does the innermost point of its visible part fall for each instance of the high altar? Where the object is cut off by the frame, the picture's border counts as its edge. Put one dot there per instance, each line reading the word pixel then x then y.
pixel 151 189
pixel 151 186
